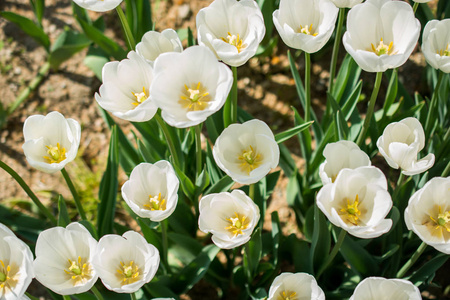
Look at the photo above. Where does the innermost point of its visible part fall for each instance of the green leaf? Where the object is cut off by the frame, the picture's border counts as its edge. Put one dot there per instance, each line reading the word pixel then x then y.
pixel 321 239
pixel 349 106
pixel 182 219
pixel 95 59
pixel 63 215
pixel 391 93
pixel 186 184
pixel 276 233
pixel 148 154
pixel 66 45
pixel 190 38
pixel 428 269
pixel 150 234
pixel 29 27
pixel 222 185
pixel 252 255
pixel 202 182
pixel 38 9
pixel 287 134
pixel 358 258
pixel 346 79
pixel 184 248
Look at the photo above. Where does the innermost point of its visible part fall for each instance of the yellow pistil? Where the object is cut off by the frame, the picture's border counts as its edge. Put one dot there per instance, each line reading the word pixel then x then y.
pixel 444 52
pixel 140 97
pixel 235 40
pixel 308 30
pixel 129 273
pixel 237 224
pixel 289 295
pixel 55 154
pixel 351 213
pixel 194 98
pixel 382 48
pixel 442 221
pixel 79 270
pixel 156 203
pixel 250 160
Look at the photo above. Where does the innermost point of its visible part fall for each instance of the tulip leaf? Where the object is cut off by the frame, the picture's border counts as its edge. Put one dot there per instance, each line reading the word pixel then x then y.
pixel 349 106
pixel 358 258
pixel 346 78
pixel 66 45
pixel 214 172
pixel 276 233
pixel 183 248
pixel 286 163
pixel 152 137
pixel 183 220
pixel 304 140
pixel 259 294
pixel 428 269
pixel 186 184
pixel 340 124
pixel 287 134
pixel 252 255
pixel 317 157
pixel 63 215
pixel 139 17
pixel 222 185
pixel 150 234
pixel 38 9
pixel 95 59
pixel 391 93
pixel 321 239
pixel 158 289
pixel 148 154
pixel 202 182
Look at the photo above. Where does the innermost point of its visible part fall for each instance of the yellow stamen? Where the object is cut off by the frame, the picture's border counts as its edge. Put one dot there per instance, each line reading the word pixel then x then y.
pixel 79 270
pixel 140 97
pixel 56 154
pixel 235 40
pixel 442 221
pixel 287 295
pixel 351 213
pixel 382 48
pixel 194 98
pixel 156 203
pixel 307 30
pixel 237 224
pixel 250 160
pixel 128 274
pixel 444 52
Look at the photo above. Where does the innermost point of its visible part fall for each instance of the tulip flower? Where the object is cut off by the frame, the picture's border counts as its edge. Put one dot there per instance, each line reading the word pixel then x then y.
pixel 98 5
pixel 16 265
pixel 381 34
pixel 428 213
pixel 435 44
pixel 125 89
pixel 295 286
pixel 340 155
pixel 346 3
pixel 304 24
pixel 154 43
pixel 400 144
pixel 247 152
pixel 51 141
pixel 374 288
pixel 421 1
pixel 151 191
pixel 229 217
pixel 190 86
pixel 358 202
pixel 231 29
pixel 125 263
pixel 64 259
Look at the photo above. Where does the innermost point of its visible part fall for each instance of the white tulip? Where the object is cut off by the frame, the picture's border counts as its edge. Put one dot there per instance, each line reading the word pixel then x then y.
pixel 358 202
pixel 125 89
pixel 400 144
pixel 435 44
pixel 428 213
pixel 125 263
pixel 231 29
pixel 229 217
pixel 64 259
pixel 346 3
pixel 190 86
pixel 295 286
pixel 340 155
pixel 154 43
pixel 16 265
pixel 304 24
pixel 381 34
pixel 375 288
pixel 421 1
pixel 151 191
pixel 247 152
pixel 98 5
pixel 51 141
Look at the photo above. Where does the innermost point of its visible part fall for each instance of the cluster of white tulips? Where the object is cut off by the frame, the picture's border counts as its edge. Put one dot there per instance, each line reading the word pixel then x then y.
pixel 183 88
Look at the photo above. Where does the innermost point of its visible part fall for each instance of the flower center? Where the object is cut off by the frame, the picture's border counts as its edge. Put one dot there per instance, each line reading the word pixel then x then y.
pixel 287 295
pixel 235 40
pixel 6 280
pixel 79 270
pixel 444 52
pixel 237 224
pixel 382 48
pixel 250 160
pixel 194 98
pixel 308 30
pixel 129 273
pixel 55 154
pixel 156 203
pixel 351 213
pixel 442 221
pixel 140 97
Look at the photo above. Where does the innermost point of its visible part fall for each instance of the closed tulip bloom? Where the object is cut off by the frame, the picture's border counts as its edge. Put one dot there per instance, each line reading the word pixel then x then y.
pixel 346 3
pixel 229 217
pixel 16 265
pixel 428 213
pixel 125 263
pixel 304 24
pixel 231 29
pixel 190 86
pixel 340 155
pixel 154 43
pixel 295 286
pixel 125 89
pixel 51 141
pixel 151 191
pixel 358 202
pixel 247 152
pixel 400 144
pixel 435 44
pixel 98 5
pixel 381 34
pixel 375 288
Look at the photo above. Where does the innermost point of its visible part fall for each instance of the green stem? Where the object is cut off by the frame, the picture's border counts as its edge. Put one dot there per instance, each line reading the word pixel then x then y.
pixel 76 198
pixel 251 191
pixel 373 98
pixel 307 86
pixel 333 253
pixel 66 297
pixel 398 185
pixel 198 149
pixel 412 260
pixel 230 107
pixel 165 130
pixel 337 42
pixel 97 293
pixel 432 109
pixel 29 192
pixel 126 29
pixel 446 170
pixel 415 6
pixel 165 245
pixel 133 296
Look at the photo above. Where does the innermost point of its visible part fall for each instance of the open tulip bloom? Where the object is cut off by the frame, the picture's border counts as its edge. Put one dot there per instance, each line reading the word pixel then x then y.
pixel 190 86
pixel 231 29
pixel 346 3
pixel 304 24
pixel 358 202
pixel 152 190
pixel 376 288
pixel 154 43
pixel 381 34
pixel 435 44
pixel 400 144
pixel 98 5
pixel 295 286
pixel 125 89
pixel 51 141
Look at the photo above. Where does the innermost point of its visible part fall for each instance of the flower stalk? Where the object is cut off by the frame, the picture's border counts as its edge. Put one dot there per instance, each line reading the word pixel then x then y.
pixel 198 149
pixel 337 42
pixel 126 29
pixel 333 253
pixel 230 108
pixel 433 104
pixel 416 5
pixel 74 192
pixel 412 260
pixel 164 226
pixel 169 140
pixel 97 293
pixel 307 86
